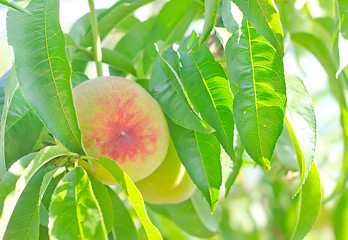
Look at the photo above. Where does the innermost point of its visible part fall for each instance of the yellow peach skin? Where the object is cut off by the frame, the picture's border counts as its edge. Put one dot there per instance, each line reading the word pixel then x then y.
pixel 169 183
pixel 120 120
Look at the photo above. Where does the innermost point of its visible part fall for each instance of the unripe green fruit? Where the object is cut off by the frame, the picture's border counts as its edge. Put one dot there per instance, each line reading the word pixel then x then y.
pixel 169 183
pixel 120 120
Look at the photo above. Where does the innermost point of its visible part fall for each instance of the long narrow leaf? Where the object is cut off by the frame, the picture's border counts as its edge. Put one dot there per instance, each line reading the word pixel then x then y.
pixel 210 7
pixel 132 193
pixel 343 8
pixel 168 89
pixel 22 127
pixel 18 176
pixel 123 222
pixel 42 67
pixel 9 89
pixel 24 222
pixel 309 204
pixel 178 15
pixel 264 17
pixel 208 89
pixel 259 105
pixel 14 5
pixel 200 155
pixel 3 80
pixel 112 17
pixel 302 124
pixel 74 211
pixel 340 216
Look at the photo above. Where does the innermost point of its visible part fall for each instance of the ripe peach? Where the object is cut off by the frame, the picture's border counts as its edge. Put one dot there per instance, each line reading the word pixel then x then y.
pixel 120 120
pixel 169 183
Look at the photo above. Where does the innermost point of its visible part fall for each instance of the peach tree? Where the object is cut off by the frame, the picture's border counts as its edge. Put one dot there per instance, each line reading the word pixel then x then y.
pixel 226 98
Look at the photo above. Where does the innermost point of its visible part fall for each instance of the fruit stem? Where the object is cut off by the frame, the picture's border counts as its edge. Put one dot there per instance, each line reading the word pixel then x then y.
pixel 96 39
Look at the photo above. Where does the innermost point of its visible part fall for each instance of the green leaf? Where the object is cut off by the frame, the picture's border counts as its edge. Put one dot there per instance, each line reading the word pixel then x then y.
pixel 211 221
pixel 208 90
pixel 170 26
pixel 210 9
pixel 301 123
pixel 110 57
pixel 74 211
pixel 21 126
pixel 166 87
pixel 104 201
pixel 259 105
pixel 200 155
pixel 42 67
pixel 343 8
pixel 25 220
pixel 82 26
pixel 43 212
pixel 16 179
pixel 112 17
pixel 3 80
pixel 10 87
pixel 77 78
pixel 132 44
pixel 264 17
pixel 185 216
pixel 309 204
pixel 132 193
pixel 229 20
pixel 343 179
pixel 230 169
pixel 14 5
pixel 123 223
pixel 340 216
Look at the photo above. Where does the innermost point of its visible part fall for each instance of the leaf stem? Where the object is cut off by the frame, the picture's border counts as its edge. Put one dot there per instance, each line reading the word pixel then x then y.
pixel 96 38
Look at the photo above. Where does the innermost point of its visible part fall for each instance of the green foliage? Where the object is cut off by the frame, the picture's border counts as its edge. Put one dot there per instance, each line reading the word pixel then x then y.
pixel 41 63
pixel 222 90
pixel 259 105
pixel 74 209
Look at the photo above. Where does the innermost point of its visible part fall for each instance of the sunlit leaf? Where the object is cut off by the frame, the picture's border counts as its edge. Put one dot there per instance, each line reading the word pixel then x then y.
pixel 264 17
pixel 230 169
pixel 210 9
pixel 229 18
pixel 259 106
pixel 16 179
pixel 104 201
pixel 110 57
pixel 74 211
pixel 24 222
pixel 207 88
pixel 343 8
pixel 131 192
pixel 3 80
pixel 340 216
pixel 123 223
pixel 14 5
pixel 77 78
pixel 112 17
pixel 42 67
pixel 166 86
pixel 200 155
pixel 301 123
pixel 309 204
pixel 20 125
pixel 184 215
pixel 170 26
pixel 211 221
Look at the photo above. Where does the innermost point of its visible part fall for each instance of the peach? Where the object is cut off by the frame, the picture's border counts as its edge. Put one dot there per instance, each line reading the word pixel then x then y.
pixel 120 120
pixel 169 183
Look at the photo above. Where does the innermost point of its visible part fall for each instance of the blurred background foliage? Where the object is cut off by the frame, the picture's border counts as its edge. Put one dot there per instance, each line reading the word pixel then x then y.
pixel 259 205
